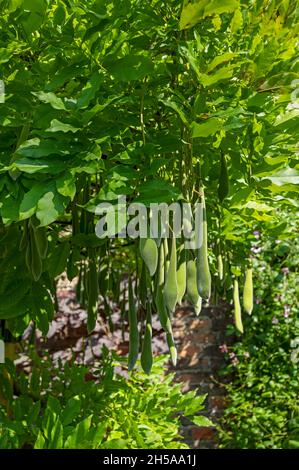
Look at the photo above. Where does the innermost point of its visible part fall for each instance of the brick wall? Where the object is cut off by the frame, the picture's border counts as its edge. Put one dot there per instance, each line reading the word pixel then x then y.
pixel 198 340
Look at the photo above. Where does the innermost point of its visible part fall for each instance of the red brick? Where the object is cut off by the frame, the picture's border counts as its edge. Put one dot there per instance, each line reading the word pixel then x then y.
pixel 204 338
pixel 189 355
pixel 123 348
pixel 203 434
pixel 200 324
pixel 187 380
pixel 205 362
pixel 218 402
pixel 189 347
pixel 89 377
pixel 182 313
pixel 185 377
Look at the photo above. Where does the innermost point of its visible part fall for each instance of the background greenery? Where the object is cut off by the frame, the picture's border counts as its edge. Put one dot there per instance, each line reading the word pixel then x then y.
pixel 263 398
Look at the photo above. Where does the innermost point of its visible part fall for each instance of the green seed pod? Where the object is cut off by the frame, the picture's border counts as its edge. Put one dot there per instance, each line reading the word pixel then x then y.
pixel 159 297
pixel 149 253
pixel 143 286
pixel 248 292
pixel 161 308
pixel 92 294
pixel 171 285
pixel 187 220
pixel 75 220
pixel 28 257
pixel 181 274
pixel 223 184
pixel 147 353
pixel 113 283
pixel 198 306
pixel 36 262
pixel 203 271
pixel 41 241
pixel 103 280
pixel 117 288
pixel 237 307
pixel 32 255
pixel 161 266
pixel 79 285
pixel 192 290
pixel 107 315
pixel 172 348
pixel 220 267
pixel 228 281
pixel 72 268
pixel 83 297
pixel 24 238
pixel 166 253
pixel 134 332
pixel 162 312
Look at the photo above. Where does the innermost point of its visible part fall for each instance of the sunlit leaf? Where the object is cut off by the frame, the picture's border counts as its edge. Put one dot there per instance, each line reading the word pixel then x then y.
pixel 58 126
pixel 210 127
pixel 194 11
pixel 50 98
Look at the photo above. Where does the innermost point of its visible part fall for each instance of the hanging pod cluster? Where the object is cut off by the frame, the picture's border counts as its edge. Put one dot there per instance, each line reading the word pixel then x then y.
pixel 88 288
pixel 158 291
pixel 86 251
pixel 169 273
pixel 166 271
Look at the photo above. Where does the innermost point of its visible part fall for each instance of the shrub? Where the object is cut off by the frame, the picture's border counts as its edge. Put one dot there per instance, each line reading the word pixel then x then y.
pixel 263 409
pixel 71 407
